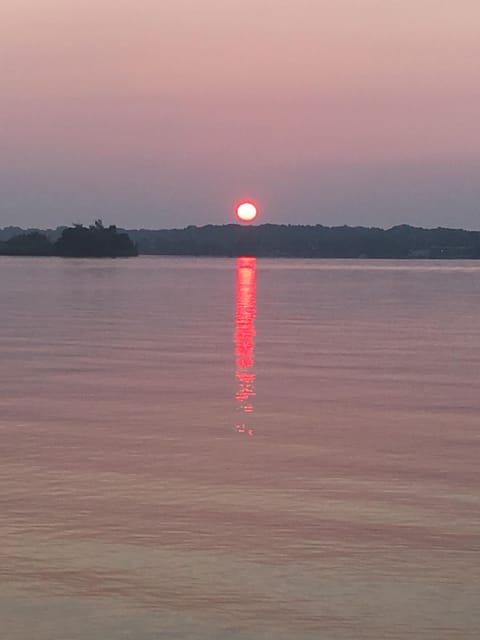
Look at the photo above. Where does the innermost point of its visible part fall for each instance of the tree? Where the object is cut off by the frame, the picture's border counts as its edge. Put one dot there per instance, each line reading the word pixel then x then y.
pixel 28 244
pixel 95 241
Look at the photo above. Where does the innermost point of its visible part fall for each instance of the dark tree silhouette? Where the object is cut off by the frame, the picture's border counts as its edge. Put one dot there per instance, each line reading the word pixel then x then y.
pixel 95 241
pixel 27 244
pixel 270 240
pixel 305 241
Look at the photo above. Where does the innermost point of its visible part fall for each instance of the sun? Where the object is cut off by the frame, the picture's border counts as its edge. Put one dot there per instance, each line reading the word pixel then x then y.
pixel 246 212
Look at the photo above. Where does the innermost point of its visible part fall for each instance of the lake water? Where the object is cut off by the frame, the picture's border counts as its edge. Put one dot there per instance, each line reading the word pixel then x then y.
pixel 236 449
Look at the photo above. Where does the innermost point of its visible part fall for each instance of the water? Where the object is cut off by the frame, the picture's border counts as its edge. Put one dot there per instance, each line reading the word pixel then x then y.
pixel 222 449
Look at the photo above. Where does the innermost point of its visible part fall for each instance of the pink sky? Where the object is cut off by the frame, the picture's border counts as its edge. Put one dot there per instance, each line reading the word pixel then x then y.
pixel 166 112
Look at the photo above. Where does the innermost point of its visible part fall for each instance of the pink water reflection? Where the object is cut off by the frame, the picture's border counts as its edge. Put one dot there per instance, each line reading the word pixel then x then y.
pixel 245 342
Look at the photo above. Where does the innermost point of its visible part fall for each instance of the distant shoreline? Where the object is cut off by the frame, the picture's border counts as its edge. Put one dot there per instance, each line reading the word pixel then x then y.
pixel 95 241
pixel 270 241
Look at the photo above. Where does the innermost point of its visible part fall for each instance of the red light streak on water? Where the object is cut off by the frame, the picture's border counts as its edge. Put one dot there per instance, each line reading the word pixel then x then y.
pixel 245 340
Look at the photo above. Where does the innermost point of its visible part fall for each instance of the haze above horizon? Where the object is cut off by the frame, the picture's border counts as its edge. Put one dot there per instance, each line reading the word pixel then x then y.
pixel 166 114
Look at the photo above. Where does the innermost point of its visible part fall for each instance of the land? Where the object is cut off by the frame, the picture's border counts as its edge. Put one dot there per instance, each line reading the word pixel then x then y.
pixel 78 241
pixel 267 240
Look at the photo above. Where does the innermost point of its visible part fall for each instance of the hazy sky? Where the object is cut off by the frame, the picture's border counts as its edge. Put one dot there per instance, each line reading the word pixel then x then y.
pixel 163 113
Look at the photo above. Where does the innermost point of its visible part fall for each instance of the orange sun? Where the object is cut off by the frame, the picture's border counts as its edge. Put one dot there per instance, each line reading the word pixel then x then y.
pixel 246 212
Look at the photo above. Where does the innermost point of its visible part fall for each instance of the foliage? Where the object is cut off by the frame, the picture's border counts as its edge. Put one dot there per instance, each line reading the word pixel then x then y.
pixel 269 240
pixel 27 244
pixel 307 241
pixel 95 241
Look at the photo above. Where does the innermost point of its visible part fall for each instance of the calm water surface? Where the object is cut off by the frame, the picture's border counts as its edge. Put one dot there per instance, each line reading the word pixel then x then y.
pixel 221 449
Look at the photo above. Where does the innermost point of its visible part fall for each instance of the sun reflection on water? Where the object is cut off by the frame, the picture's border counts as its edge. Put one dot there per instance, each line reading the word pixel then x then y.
pixel 245 341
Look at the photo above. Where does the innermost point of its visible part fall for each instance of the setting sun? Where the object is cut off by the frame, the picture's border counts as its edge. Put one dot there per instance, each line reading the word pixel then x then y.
pixel 246 211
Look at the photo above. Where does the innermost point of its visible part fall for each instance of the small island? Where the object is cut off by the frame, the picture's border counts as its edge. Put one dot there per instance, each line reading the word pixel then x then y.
pixel 95 241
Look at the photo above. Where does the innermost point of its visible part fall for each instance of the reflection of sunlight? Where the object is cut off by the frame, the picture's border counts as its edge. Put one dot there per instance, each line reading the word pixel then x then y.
pixel 245 340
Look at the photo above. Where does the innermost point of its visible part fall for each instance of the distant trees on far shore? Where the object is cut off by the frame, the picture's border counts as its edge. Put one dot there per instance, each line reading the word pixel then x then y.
pixel 309 241
pixel 33 243
pixel 95 241
pixel 267 240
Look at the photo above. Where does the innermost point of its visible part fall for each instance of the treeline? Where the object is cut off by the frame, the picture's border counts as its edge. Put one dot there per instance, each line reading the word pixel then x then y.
pixel 268 240
pixel 303 241
pixel 95 241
